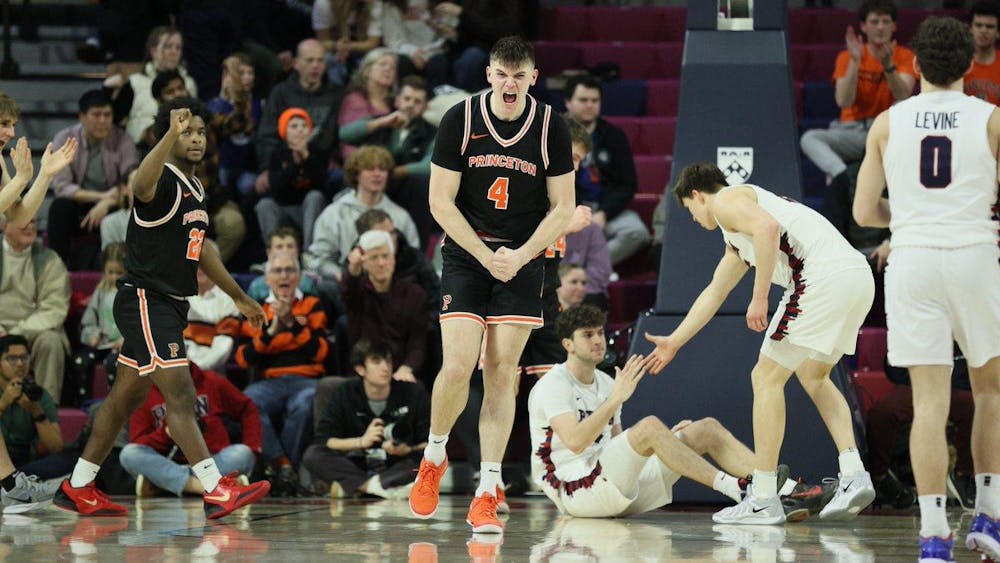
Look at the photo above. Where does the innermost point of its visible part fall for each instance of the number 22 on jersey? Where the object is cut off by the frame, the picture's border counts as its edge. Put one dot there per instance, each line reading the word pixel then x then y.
pixel 498 192
pixel 196 240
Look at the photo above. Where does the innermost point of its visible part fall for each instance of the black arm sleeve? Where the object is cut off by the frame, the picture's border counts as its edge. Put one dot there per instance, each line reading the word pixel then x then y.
pixel 560 147
pixel 448 148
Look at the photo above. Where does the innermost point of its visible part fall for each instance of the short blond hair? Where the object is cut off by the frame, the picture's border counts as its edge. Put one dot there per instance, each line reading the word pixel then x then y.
pixel 8 107
pixel 367 157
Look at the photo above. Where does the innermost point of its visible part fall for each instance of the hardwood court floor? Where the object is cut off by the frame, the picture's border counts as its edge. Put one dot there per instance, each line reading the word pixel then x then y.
pixel 374 531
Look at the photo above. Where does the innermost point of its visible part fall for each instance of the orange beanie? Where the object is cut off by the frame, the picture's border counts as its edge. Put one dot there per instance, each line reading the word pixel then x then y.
pixel 287 116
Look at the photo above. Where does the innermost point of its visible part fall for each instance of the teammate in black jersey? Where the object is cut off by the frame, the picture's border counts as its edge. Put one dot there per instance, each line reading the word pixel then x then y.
pixel 165 241
pixel 502 189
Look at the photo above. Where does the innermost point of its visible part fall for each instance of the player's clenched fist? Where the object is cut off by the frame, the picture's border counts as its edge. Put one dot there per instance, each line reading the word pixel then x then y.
pixel 179 119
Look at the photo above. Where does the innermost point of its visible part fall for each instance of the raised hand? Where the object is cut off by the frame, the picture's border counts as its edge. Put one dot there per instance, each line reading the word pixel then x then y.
pixel 53 162
pixel 20 154
pixel 179 120
pixel 883 52
pixel 627 378
pixel 853 43
pixel 663 353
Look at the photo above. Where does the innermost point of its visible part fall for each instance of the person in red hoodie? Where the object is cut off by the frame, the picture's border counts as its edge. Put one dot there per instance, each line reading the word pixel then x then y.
pixel 157 462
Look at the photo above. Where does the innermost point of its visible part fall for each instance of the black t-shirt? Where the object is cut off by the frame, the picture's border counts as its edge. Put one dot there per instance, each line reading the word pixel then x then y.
pixel 504 164
pixel 349 413
pixel 165 236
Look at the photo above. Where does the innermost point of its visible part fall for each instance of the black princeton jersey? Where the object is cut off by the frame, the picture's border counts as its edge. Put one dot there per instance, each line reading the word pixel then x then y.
pixel 165 236
pixel 504 164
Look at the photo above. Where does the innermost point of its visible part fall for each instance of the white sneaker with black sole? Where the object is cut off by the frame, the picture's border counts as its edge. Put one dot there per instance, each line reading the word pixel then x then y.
pixel 752 510
pixel 854 494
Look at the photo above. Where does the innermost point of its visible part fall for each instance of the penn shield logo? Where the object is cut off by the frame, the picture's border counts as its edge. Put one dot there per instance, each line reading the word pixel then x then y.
pixel 736 163
pixel 174 349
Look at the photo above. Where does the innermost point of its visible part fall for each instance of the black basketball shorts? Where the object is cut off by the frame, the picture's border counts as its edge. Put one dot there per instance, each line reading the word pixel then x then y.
pixel 152 325
pixel 469 291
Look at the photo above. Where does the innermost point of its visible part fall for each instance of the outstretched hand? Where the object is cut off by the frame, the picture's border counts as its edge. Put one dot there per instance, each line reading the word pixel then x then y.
pixel 663 353
pixel 252 311
pixel 54 161
pixel 20 155
pixel 628 377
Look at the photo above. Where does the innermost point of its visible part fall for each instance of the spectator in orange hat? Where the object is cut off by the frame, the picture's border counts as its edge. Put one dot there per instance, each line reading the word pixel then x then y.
pixel 297 174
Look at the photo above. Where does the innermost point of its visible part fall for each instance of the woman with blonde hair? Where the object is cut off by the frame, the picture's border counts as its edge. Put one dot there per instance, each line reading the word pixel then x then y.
pixel 368 106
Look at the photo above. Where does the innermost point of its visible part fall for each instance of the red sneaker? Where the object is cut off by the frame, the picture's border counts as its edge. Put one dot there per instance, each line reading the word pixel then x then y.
pixel 483 515
pixel 502 506
pixel 86 500
pixel 427 488
pixel 229 495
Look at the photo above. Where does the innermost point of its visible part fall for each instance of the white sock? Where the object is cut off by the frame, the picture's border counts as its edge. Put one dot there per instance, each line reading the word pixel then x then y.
pixel 83 473
pixel 435 450
pixel 765 484
pixel 988 494
pixel 727 485
pixel 933 518
pixel 850 462
pixel 489 478
pixel 787 488
pixel 208 473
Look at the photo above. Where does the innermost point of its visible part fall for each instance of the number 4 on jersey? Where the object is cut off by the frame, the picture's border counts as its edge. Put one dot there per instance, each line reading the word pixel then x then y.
pixel 196 239
pixel 498 193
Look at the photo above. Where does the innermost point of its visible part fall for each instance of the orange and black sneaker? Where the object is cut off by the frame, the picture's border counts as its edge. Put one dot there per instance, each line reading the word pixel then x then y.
pixel 427 488
pixel 230 495
pixel 483 515
pixel 502 506
pixel 86 500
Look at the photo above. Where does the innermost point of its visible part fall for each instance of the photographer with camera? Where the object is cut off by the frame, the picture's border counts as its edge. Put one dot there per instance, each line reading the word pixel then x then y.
pixel 367 439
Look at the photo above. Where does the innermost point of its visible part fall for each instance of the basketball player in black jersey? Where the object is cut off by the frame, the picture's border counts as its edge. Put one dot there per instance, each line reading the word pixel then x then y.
pixel 502 189
pixel 165 241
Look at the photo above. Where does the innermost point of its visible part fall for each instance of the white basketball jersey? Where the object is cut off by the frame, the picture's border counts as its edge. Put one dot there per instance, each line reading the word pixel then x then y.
pixel 808 241
pixel 941 174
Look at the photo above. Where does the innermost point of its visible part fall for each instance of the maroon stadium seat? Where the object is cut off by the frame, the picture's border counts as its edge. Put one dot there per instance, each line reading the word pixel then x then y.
pixel 671 23
pixel 636 60
pixel 552 58
pixel 644 204
pixel 71 422
pixel 653 172
pixel 871 348
pixel 607 23
pixel 565 23
pixel 830 24
pixel 661 97
pixel 657 134
pixel 630 125
pixel 668 60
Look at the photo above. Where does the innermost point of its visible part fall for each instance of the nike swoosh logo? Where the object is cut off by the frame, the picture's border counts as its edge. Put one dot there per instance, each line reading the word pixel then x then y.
pixel 474 136
pixel 219 498
pixel 756 510
pixel 90 502
pixel 848 486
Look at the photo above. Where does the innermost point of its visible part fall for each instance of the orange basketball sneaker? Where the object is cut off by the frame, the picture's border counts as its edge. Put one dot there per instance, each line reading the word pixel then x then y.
pixel 87 500
pixel 483 515
pixel 427 488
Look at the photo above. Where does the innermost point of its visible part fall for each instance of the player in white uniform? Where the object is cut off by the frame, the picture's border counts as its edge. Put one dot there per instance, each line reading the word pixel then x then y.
pixel 586 463
pixel 828 292
pixel 938 154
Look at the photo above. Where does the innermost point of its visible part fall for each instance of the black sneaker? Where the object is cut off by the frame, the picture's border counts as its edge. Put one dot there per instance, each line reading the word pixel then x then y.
pixel 962 488
pixel 804 501
pixel 285 482
pixel 890 491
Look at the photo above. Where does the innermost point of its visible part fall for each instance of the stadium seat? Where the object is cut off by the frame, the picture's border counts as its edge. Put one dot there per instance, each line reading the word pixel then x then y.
pixel 631 127
pixel 800 22
pixel 668 60
pixel 627 299
pixel 871 386
pixel 818 100
pixel 653 172
pixel 627 96
pixel 564 23
pixel 657 134
pixel 71 422
pixel 671 26
pixel 606 23
pixel 662 97
pixel 636 60
pixel 872 348
pixel 813 63
pixel 84 282
pixel 552 58
pixel 644 204
pixel 830 24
